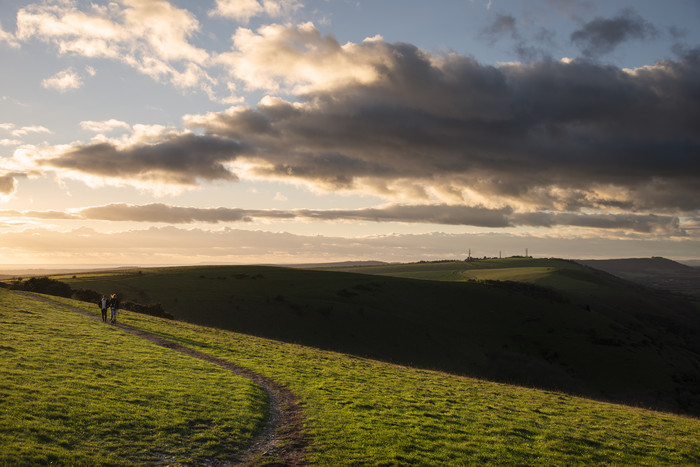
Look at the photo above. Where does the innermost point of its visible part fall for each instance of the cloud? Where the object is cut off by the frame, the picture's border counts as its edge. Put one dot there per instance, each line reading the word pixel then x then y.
pixel 104 126
pixel 300 58
pixel 243 10
pixel 7 38
pixel 151 36
pixel 601 36
pixel 8 184
pixel 63 81
pixel 25 130
pixel 170 245
pixel 177 159
pixel 415 128
pixel 548 134
pixel 498 26
pixel 438 214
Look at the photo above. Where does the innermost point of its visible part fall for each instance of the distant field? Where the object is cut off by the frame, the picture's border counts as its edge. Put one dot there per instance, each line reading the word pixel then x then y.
pixel 361 411
pixel 78 392
pixel 561 326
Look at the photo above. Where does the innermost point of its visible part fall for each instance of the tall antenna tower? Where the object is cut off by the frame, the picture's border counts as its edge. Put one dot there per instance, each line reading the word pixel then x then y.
pixel 526 255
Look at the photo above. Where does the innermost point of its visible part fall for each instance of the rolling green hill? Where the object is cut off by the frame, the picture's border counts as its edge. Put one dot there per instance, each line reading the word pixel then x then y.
pixel 74 391
pixel 358 411
pixel 562 326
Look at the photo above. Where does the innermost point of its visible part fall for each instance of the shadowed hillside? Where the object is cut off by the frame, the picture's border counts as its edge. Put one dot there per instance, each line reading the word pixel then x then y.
pixel 561 326
pixel 655 272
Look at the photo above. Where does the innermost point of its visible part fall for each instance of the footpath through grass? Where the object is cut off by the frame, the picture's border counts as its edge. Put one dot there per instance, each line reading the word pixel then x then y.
pixel 74 391
pixel 365 412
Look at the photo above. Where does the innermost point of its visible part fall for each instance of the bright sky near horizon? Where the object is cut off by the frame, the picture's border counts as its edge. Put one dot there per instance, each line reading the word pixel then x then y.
pixel 287 131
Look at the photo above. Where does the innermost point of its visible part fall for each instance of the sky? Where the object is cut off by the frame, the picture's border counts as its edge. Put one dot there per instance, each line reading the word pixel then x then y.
pixel 159 132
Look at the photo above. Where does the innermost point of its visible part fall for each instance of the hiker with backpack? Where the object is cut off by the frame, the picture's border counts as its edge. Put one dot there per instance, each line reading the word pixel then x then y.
pixel 114 304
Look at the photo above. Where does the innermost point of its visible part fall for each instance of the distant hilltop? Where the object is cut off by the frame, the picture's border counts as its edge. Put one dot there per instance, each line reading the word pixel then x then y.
pixel 661 273
pixel 653 265
pixel 339 264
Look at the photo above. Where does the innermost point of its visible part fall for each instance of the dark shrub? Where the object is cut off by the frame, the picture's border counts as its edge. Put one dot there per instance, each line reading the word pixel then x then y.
pixel 154 309
pixel 44 285
pixel 86 295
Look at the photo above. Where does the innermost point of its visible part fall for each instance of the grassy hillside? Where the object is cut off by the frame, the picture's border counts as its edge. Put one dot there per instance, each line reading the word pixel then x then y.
pixel 74 391
pixel 655 272
pixel 566 327
pixel 367 412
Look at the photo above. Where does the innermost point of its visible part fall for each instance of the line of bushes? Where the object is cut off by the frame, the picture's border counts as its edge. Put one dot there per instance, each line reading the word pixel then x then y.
pixel 57 288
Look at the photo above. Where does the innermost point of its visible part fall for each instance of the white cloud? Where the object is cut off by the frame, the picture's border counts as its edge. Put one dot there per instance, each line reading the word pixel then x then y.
pixel 103 126
pixel 151 36
pixel 301 58
pixel 9 142
pixel 30 129
pixel 63 81
pixel 7 38
pixel 243 10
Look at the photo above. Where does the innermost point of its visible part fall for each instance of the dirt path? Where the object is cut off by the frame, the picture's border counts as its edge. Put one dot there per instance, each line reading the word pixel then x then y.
pixel 281 439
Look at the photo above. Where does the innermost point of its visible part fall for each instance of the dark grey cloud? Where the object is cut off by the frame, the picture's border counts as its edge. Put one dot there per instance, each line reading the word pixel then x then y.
pixel 513 131
pixel 602 35
pixel 176 159
pixel 440 214
pixel 549 135
pixel 434 214
pixel 499 26
pixel 641 223
pixel 158 212
pixel 7 184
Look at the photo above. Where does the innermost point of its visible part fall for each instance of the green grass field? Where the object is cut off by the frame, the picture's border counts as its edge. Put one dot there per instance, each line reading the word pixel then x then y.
pixel 74 391
pixel 560 326
pixel 358 411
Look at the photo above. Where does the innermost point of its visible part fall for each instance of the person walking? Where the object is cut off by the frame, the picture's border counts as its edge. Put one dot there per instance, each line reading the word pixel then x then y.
pixel 104 304
pixel 114 304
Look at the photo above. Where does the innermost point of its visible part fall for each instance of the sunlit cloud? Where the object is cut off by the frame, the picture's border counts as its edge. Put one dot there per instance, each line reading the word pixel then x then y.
pixel 8 39
pixel 300 59
pixel 104 126
pixel 150 35
pixel 243 10
pixel 25 130
pixel 63 81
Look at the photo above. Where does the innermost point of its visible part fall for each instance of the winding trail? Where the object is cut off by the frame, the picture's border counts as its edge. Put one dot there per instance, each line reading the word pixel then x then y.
pixel 281 440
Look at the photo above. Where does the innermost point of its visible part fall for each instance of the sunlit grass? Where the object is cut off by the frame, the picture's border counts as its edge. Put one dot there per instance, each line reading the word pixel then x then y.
pixel 77 391
pixel 365 412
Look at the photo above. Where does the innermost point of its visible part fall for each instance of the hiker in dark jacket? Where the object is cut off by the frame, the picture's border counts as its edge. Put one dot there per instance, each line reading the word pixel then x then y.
pixel 103 304
pixel 114 304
